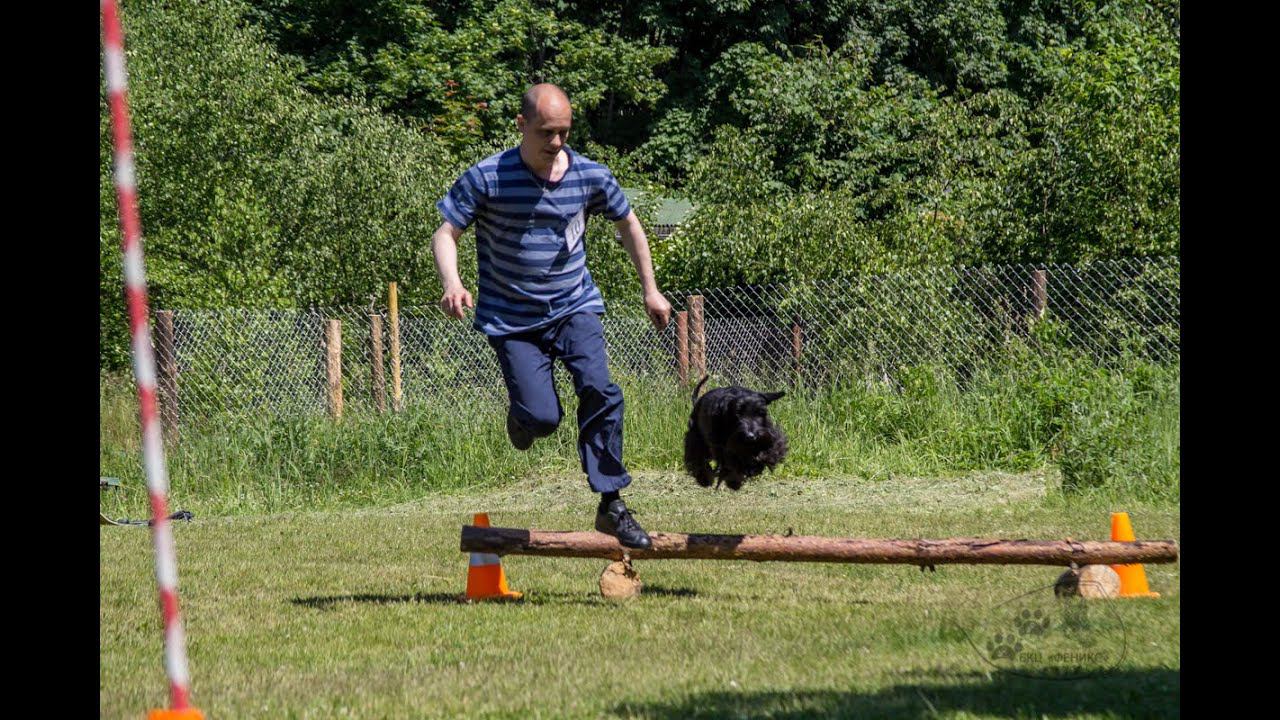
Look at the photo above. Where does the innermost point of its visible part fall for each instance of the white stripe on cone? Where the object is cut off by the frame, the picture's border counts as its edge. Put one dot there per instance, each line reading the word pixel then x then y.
pixel 479 559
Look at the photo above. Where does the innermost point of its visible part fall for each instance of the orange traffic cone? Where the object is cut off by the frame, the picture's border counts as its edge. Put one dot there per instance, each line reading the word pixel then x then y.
pixel 485 579
pixel 1133 580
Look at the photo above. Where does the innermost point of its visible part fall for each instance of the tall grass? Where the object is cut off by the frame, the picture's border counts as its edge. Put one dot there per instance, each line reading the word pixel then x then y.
pixel 1114 431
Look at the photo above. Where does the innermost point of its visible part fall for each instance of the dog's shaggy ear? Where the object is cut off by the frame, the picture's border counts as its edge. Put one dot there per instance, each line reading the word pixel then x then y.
pixel 770 397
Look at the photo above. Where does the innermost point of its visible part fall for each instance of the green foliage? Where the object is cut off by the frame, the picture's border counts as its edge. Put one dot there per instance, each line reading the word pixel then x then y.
pixel 290 152
pixel 252 192
pixel 458 69
pixel 1103 179
pixel 793 237
pixel 1085 167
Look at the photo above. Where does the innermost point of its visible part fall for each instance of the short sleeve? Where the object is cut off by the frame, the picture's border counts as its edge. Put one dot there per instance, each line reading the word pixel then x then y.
pixel 609 199
pixel 465 199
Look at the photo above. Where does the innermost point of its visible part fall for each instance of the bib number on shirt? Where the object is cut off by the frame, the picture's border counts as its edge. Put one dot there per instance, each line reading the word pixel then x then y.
pixel 573 231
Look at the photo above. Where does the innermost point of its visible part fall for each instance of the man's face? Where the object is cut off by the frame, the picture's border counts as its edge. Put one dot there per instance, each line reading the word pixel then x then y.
pixel 548 130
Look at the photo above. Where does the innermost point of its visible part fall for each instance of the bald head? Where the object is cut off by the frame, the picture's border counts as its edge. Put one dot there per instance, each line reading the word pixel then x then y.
pixel 542 98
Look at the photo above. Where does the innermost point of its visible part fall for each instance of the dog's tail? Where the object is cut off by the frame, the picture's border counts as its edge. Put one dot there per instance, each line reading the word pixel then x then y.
pixel 698 388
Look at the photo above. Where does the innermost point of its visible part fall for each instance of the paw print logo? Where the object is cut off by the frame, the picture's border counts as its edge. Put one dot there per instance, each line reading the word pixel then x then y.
pixel 1004 647
pixel 1032 622
pixel 1075 621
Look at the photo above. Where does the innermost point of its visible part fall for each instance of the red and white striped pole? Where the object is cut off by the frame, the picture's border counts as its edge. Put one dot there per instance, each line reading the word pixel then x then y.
pixel 144 370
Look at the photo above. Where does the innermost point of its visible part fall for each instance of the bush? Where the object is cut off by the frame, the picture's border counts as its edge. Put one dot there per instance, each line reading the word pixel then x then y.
pixel 253 193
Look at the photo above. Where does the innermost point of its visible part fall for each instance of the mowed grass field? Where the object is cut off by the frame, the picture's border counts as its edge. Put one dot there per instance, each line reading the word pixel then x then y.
pixel 352 614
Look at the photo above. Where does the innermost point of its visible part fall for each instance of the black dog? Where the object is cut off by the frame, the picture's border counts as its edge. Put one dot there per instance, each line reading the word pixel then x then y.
pixel 731 426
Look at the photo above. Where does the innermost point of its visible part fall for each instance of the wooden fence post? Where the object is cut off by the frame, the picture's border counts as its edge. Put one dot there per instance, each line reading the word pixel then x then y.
pixel 1040 288
pixel 397 397
pixel 333 352
pixel 167 367
pixel 698 337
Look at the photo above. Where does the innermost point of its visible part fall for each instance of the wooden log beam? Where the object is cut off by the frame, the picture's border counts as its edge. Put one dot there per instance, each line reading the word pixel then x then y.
pixel 801 548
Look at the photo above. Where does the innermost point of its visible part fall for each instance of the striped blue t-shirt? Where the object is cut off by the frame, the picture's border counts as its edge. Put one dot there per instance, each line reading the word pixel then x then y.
pixel 530 237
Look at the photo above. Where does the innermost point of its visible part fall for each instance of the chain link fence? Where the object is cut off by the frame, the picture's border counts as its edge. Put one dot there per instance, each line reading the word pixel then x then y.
pixel 229 364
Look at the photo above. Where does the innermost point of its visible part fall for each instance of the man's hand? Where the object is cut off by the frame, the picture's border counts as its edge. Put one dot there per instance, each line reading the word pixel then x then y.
pixel 637 246
pixel 455 298
pixel 658 309
pixel 444 246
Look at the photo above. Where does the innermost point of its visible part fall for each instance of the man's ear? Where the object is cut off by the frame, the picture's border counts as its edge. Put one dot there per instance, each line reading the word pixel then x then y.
pixel 770 397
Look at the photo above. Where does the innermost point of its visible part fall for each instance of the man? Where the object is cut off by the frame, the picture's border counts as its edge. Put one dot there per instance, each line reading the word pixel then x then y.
pixel 537 300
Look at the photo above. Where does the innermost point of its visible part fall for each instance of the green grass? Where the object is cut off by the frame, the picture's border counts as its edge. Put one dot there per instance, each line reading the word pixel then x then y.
pixel 1110 432
pixel 318 578
pixel 350 614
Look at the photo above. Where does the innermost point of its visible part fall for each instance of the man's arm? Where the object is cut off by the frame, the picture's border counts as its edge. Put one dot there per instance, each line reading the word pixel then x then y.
pixel 444 246
pixel 637 245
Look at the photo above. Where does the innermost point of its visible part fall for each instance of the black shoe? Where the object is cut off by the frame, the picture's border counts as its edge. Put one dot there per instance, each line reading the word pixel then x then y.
pixel 615 519
pixel 520 437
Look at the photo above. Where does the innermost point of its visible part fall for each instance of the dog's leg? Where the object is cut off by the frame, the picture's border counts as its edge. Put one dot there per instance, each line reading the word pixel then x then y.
pixel 696 457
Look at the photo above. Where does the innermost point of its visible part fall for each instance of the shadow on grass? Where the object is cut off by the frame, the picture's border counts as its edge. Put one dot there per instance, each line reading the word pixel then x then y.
pixel 1133 693
pixel 537 597
pixel 662 591
pixel 327 602
pixel 531 597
